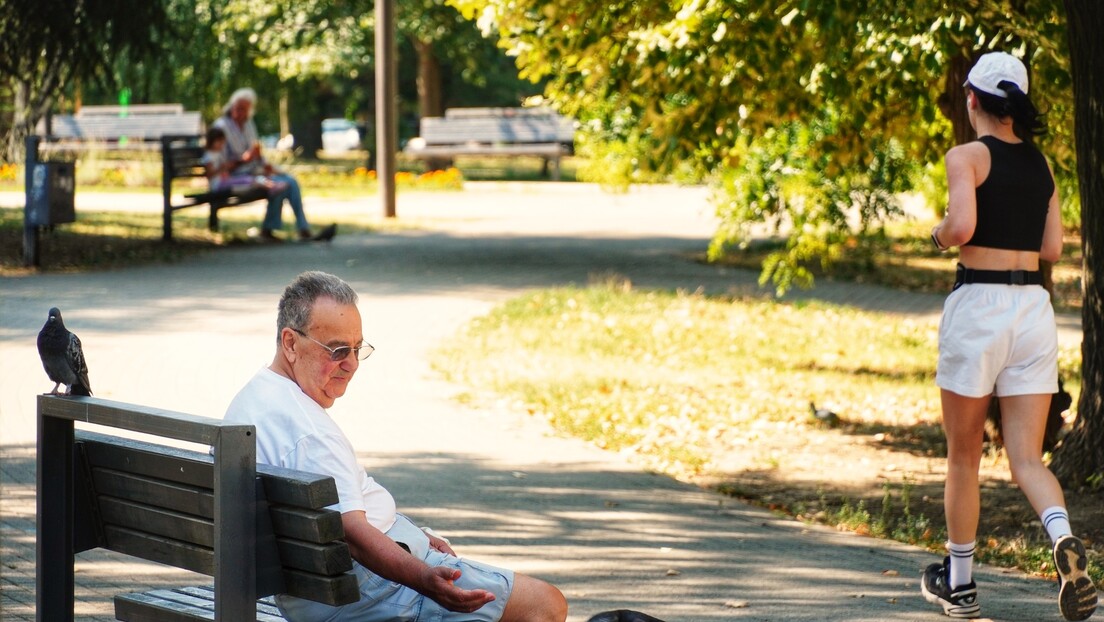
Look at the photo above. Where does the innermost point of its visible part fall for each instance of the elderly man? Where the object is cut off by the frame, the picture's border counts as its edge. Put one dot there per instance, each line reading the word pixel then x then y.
pixel 404 573
pixel 243 149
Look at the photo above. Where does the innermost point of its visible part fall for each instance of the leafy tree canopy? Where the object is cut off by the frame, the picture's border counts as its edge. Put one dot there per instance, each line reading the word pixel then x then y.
pixel 703 82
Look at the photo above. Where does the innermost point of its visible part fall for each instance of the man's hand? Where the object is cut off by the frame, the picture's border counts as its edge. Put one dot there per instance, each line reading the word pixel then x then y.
pixel 439 544
pixel 440 587
pixel 381 555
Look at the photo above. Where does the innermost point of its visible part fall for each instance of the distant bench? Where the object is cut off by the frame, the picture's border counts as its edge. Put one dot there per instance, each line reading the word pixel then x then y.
pixel 496 132
pixel 181 158
pixel 257 530
pixel 120 127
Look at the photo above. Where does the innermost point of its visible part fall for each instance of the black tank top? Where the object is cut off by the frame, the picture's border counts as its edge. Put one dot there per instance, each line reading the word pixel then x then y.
pixel 1013 200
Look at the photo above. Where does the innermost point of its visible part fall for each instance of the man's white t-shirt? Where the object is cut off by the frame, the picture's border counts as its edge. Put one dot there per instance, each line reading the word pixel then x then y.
pixel 295 432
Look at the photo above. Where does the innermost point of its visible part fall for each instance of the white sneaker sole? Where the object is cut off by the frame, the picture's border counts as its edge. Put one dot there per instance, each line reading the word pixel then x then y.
pixel 1077 595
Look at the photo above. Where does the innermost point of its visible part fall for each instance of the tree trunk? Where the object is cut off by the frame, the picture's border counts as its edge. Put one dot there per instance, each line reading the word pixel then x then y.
pixel 1080 459
pixel 952 102
pixel 13 149
pixel 430 102
pixel 429 81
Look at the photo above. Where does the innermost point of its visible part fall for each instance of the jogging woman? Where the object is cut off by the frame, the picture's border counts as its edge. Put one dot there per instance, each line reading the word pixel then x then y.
pixel 997 336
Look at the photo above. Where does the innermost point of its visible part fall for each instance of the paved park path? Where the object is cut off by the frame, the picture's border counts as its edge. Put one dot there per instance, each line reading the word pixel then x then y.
pixel 501 485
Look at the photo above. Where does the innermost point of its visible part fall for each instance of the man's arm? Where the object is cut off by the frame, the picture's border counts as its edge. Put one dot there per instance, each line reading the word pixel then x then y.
pixel 380 554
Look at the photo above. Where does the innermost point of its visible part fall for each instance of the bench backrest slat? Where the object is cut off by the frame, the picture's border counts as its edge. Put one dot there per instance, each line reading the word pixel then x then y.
pixel 131 110
pixel 305 524
pixel 157 503
pixel 154 548
pixel 523 129
pixel 159 521
pixel 325 559
pixel 156 492
pixel 144 127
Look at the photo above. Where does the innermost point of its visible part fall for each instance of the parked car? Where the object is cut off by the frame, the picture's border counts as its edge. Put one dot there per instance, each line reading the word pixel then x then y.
pixel 340 135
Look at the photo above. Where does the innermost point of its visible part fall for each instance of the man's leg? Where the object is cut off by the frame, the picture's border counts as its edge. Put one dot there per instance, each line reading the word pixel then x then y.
pixel 533 600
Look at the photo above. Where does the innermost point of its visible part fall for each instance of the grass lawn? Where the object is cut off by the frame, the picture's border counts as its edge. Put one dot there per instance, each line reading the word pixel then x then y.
pixel 718 391
pixel 110 239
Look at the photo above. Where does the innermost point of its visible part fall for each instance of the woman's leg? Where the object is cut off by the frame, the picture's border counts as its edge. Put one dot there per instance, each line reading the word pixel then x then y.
pixel 294 196
pixel 964 426
pixel 273 219
pixel 1023 424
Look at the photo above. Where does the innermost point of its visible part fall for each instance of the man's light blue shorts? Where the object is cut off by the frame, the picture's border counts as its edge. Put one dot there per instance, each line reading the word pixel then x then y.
pixel 385 601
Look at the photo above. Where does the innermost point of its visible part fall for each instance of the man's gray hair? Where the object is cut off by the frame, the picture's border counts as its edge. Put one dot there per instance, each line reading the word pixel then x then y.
pixel 299 298
pixel 240 94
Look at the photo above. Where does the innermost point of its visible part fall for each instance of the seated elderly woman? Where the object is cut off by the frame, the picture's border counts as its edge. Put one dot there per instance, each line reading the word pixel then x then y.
pixel 243 150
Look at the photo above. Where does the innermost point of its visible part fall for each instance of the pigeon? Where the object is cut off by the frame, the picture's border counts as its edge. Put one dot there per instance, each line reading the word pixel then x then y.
pixel 326 234
pixel 62 357
pixel 823 416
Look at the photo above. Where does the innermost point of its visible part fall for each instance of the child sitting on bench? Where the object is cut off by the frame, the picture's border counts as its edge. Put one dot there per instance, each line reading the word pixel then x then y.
pixel 219 167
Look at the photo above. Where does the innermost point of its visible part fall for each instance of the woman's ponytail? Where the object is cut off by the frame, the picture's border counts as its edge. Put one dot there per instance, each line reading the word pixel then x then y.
pixel 1026 119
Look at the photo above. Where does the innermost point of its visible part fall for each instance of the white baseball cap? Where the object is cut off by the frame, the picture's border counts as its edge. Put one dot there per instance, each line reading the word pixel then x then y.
pixel 993 68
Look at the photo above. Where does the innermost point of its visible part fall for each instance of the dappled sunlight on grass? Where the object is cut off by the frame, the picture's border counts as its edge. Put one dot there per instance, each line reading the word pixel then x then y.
pixel 675 376
pixel 719 391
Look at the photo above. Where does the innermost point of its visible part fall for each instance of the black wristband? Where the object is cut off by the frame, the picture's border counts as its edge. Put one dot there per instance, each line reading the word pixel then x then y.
pixel 935 241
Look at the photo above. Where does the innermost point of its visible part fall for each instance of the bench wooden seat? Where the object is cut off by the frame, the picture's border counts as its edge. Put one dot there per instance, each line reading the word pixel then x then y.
pixel 182 158
pixel 496 132
pixel 164 504
pixel 181 604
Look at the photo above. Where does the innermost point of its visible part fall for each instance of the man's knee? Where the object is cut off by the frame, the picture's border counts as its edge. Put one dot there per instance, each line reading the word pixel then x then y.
pixel 533 600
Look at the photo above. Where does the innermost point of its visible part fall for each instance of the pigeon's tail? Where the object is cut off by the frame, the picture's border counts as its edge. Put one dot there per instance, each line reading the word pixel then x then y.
pixel 80 389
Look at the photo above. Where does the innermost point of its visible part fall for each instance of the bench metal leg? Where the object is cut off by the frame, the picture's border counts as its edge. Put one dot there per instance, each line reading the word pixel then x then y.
pixel 166 224
pixel 555 162
pixel 54 523
pixel 213 220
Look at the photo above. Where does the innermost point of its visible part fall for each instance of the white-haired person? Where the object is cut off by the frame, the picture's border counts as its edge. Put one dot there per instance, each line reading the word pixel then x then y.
pixel 243 151
pixel 997 336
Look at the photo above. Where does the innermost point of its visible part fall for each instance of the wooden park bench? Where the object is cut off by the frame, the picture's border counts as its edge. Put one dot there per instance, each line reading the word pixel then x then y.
pixel 137 127
pixel 507 132
pixel 257 530
pixel 181 158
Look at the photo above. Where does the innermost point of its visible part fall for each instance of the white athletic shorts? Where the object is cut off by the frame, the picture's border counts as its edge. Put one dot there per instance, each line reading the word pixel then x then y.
pixel 998 339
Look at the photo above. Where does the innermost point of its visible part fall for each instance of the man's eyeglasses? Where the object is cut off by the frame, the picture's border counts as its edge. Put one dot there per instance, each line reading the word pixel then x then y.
pixel 340 353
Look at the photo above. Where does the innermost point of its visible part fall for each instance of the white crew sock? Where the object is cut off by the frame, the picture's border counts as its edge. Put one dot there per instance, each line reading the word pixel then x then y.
pixel 962 563
pixel 1056 522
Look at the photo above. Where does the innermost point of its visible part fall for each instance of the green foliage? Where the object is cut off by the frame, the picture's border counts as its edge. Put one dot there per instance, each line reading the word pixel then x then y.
pixel 822 209
pixel 701 83
pixel 46 45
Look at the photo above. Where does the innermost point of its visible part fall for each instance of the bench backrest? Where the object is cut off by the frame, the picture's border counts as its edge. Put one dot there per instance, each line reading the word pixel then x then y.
pixel 157 503
pixel 105 127
pixel 495 125
pixel 182 156
pixel 129 111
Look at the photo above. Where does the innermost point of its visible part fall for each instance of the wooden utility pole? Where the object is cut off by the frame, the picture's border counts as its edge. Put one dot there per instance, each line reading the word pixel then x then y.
pixel 386 91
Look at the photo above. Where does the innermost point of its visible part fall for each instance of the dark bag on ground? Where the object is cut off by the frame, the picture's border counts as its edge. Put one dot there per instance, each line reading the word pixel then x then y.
pixel 623 615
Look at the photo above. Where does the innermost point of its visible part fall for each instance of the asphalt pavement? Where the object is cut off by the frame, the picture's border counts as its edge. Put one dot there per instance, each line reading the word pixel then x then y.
pixel 499 483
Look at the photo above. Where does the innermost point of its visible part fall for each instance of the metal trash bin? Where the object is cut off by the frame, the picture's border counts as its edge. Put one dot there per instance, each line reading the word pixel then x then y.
pixel 50 194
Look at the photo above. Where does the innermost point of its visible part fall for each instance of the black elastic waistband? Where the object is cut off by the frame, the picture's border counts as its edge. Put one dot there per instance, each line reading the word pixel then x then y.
pixel 965 276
